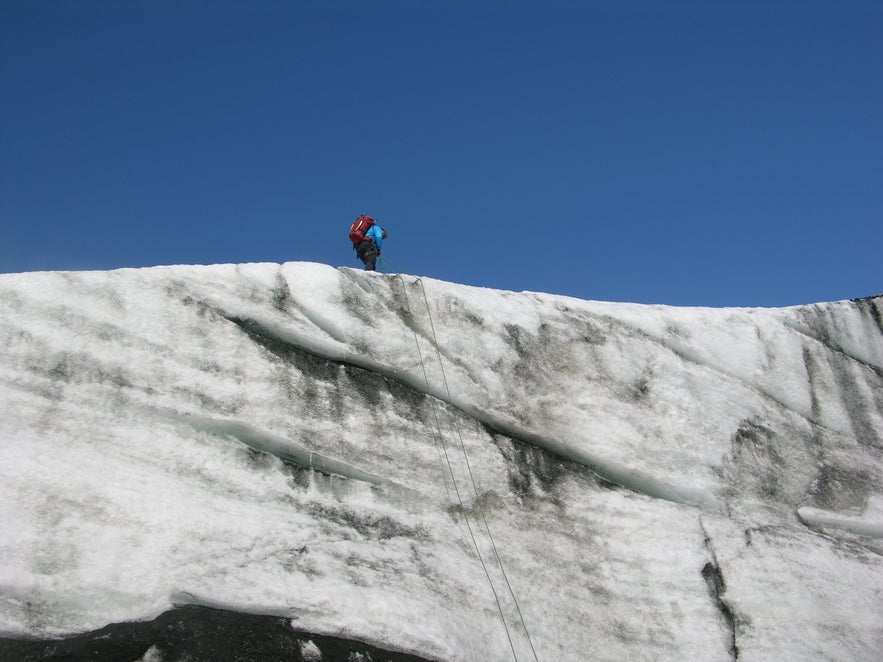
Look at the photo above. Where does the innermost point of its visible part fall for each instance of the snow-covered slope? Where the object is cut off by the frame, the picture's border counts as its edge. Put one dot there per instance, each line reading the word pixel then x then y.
pixel 334 447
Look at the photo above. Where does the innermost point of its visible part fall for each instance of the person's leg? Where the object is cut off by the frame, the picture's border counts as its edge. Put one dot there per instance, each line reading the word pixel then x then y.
pixel 368 253
pixel 360 252
pixel 371 259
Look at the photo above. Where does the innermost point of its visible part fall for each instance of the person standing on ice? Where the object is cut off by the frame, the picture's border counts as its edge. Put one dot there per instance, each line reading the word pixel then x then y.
pixel 367 238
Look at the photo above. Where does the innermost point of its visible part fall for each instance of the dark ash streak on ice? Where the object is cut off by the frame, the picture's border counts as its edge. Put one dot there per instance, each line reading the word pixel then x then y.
pixel 632 479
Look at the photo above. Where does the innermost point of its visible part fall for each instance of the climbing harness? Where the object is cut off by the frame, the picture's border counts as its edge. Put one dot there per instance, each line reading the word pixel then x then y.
pixel 468 464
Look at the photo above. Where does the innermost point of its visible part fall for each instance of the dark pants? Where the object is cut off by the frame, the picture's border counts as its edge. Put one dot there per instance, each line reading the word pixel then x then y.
pixel 368 253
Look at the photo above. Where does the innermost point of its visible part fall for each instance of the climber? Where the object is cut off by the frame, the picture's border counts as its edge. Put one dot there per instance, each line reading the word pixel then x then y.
pixel 367 238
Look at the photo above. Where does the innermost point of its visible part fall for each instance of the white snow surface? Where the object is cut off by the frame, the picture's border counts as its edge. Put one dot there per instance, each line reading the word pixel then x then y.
pixel 660 483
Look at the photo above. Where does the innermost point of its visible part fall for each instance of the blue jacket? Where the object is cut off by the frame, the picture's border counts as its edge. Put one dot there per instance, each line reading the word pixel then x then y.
pixel 375 232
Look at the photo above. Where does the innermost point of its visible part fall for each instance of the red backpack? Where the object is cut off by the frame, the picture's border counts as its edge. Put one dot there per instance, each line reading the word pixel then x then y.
pixel 359 228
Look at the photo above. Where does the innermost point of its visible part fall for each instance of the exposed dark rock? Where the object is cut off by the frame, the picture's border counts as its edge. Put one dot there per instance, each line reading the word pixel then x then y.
pixel 199 634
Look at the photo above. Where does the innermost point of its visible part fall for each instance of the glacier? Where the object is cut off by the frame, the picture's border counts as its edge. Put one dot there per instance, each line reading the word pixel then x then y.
pixel 448 472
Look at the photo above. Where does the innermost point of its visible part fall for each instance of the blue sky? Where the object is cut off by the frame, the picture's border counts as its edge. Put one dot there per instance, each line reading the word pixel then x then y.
pixel 688 153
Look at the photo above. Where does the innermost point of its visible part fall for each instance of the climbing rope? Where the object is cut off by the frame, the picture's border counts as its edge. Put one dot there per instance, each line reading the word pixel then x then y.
pixel 454 479
pixel 472 476
pixel 468 466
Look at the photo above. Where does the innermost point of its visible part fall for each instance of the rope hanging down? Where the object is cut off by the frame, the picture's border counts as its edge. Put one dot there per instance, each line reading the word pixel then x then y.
pixel 447 458
pixel 468 466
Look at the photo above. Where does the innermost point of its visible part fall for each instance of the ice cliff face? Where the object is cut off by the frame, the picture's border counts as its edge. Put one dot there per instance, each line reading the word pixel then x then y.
pixel 450 472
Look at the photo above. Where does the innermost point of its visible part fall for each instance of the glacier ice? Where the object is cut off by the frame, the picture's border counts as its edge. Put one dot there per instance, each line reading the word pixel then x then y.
pixel 333 446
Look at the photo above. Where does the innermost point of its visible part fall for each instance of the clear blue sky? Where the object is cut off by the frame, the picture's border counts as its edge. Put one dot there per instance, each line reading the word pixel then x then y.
pixel 686 152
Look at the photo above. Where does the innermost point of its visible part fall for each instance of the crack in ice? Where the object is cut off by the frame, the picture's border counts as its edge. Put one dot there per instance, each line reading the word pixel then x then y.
pixel 285 449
